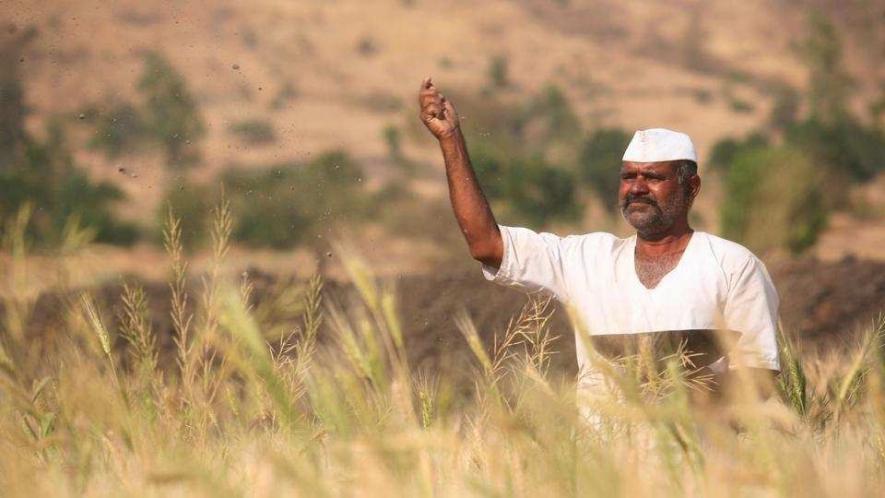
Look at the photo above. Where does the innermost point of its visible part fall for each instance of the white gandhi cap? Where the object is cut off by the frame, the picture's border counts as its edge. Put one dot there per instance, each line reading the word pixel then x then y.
pixel 659 144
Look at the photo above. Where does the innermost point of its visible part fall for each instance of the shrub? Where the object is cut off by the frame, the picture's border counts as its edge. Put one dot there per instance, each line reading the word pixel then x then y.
pixel 740 106
pixel 277 207
pixel 498 72
pixel 254 131
pixel 393 140
pixel 284 95
pixel 286 204
pixel 773 199
pixel 192 205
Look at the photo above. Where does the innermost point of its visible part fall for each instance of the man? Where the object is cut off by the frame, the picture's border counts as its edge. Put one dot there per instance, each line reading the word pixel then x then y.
pixel 667 281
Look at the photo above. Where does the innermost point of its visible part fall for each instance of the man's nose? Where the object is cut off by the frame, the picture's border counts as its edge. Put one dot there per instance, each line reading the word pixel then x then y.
pixel 638 186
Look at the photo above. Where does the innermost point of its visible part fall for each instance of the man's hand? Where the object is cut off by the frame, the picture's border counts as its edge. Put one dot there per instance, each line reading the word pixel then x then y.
pixel 437 113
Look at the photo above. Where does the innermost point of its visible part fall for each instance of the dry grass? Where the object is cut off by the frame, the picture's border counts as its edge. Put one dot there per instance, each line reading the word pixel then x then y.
pixel 255 408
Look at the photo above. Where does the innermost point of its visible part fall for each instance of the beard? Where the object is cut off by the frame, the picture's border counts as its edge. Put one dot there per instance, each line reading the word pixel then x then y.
pixel 650 218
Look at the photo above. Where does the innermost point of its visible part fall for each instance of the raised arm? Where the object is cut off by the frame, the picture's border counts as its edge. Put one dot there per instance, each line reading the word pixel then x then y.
pixel 470 205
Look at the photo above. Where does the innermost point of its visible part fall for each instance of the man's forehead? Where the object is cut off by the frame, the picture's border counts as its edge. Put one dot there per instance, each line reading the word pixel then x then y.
pixel 656 166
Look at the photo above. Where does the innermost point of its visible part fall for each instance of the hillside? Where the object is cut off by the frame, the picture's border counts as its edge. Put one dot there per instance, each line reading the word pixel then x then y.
pixel 334 75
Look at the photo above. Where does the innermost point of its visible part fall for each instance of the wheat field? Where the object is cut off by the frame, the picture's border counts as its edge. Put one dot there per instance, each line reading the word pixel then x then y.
pixel 252 406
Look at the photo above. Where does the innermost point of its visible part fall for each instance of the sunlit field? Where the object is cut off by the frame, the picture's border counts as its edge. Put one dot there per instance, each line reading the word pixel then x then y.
pixel 230 263
pixel 251 404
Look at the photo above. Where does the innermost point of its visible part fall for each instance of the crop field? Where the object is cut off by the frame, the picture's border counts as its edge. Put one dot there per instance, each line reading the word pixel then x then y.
pixel 301 394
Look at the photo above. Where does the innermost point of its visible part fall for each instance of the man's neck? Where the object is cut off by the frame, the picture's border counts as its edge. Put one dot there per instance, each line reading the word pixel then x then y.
pixel 674 240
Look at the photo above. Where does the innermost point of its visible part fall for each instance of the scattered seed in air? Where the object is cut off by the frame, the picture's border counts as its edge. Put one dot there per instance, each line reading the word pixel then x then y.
pixel 329 254
pixel 82 116
pixel 236 67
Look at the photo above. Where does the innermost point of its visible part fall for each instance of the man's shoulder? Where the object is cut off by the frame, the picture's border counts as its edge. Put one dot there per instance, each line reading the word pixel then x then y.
pixel 572 243
pixel 590 246
pixel 728 253
pixel 595 237
pixel 594 240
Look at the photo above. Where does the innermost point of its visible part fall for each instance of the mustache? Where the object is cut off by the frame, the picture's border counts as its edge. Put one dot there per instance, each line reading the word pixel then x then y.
pixel 630 198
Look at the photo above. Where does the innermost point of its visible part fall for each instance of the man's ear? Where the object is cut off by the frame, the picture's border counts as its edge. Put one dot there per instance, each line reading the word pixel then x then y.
pixel 694 187
pixel 695 183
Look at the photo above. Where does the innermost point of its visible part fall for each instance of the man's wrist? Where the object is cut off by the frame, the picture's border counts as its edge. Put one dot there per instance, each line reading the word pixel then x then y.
pixel 451 136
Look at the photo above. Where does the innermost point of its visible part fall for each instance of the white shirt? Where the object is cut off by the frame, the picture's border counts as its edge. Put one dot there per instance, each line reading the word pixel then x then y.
pixel 717 285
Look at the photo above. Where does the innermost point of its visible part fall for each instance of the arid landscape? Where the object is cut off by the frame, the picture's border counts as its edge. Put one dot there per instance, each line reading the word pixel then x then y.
pixel 230 266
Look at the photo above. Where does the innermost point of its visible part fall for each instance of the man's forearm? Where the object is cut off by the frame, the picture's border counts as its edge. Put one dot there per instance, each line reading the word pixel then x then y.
pixel 469 204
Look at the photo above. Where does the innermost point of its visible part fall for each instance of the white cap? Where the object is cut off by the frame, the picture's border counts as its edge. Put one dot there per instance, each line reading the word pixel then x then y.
pixel 659 144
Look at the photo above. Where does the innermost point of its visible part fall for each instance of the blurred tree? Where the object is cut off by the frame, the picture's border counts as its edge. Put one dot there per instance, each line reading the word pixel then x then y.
pixel 43 173
pixel 724 151
pixel 785 111
pixel 47 177
pixel 773 199
pixel 846 147
pixel 511 144
pixel 550 114
pixel 527 189
pixel 600 162
pixel 118 131
pixel 829 84
pixel 12 106
pixel 170 112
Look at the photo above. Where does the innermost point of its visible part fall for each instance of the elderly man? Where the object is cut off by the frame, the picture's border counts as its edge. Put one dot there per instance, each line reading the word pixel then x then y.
pixel 667 283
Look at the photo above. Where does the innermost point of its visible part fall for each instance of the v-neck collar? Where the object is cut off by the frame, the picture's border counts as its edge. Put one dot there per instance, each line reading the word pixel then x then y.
pixel 631 251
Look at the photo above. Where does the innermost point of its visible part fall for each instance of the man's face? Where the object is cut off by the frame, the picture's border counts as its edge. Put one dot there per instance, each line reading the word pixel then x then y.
pixel 650 197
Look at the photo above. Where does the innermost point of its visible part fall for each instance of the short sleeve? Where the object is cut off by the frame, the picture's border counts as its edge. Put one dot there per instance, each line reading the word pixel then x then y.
pixel 752 310
pixel 532 262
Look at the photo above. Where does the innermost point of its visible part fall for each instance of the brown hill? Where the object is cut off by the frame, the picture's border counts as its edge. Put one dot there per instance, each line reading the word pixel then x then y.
pixel 335 74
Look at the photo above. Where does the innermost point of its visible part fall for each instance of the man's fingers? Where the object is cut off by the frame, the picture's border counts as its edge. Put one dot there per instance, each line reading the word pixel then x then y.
pixel 432 110
pixel 449 108
pixel 435 103
pixel 428 92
